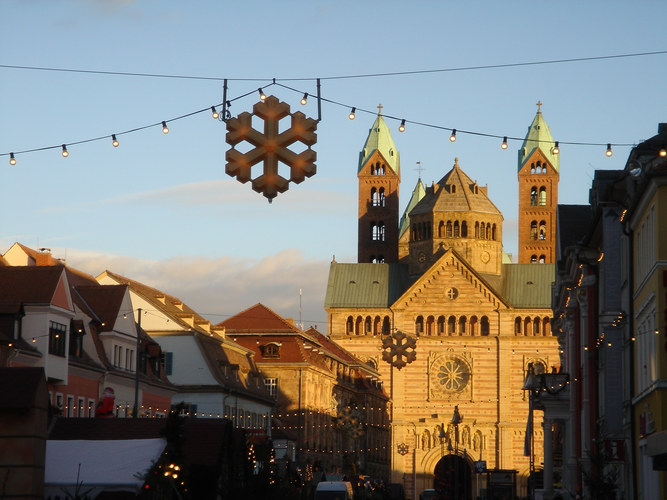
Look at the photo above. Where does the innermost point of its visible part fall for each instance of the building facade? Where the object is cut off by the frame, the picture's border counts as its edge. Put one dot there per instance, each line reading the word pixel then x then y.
pixel 477 323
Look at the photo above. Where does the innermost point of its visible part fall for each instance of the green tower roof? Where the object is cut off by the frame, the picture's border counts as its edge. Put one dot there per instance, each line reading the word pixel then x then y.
pixel 538 137
pixel 379 139
pixel 417 194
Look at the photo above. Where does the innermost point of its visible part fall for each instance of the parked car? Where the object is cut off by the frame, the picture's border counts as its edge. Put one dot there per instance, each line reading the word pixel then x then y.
pixel 428 495
pixel 334 490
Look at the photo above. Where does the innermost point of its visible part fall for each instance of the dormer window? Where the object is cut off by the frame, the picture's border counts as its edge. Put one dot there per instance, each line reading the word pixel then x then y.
pixel 271 350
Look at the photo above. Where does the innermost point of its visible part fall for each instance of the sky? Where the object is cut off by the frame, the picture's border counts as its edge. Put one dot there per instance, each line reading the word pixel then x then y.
pixel 160 208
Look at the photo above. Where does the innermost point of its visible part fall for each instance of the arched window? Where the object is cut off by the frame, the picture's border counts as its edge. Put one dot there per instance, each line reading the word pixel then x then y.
pixel 546 327
pixel 450 229
pixel 482 231
pixel 533 259
pixel 386 326
pixel 377 229
pixel 377 325
pixel 543 230
pixel 542 259
pixel 430 321
pixel 533 196
pixel 476 229
pixel 464 229
pixel 441 325
pixel 493 232
pixel 419 325
pixel 536 326
pixel 413 232
pixel 488 231
pixel 441 229
pixel 532 168
pixel 457 229
pixel 374 197
pixel 543 196
pixel 526 326
pixel 462 325
pixel 349 326
pixel 357 325
pixel 473 325
pixel 451 325
pixel 484 326
pixel 517 326
pixel 544 168
pixel 533 230
pixel 453 188
pixel 381 197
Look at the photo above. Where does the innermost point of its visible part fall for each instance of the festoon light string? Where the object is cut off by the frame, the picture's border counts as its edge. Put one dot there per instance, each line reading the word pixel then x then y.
pixel 403 122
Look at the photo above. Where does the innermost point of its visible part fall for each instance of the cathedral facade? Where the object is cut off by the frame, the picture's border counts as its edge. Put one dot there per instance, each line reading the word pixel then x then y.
pixel 436 306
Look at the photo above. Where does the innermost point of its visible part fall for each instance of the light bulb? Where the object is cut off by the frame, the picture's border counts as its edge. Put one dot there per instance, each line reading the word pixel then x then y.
pixel 556 149
pixel 304 99
pixel 663 152
pixel 609 153
pixel 114 141
pixel 165 129
pixel 504 144
pixel 65 152
pixel 12 160
pixel 262 95
pixel 401 127
pixel 214 113
pixel 352 113
pixel 452 137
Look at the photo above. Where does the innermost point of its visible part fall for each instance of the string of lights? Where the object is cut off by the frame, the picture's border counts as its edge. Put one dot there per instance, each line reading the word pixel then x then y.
pixel 113 137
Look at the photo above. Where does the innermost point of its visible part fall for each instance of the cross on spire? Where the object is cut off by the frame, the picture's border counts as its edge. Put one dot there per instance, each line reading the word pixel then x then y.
pixel 380 109
pixel 420 169
pixel 539 104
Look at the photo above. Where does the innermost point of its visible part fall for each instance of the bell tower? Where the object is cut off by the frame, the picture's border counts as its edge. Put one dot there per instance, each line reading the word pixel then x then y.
pixel 538 175
pixel 379 176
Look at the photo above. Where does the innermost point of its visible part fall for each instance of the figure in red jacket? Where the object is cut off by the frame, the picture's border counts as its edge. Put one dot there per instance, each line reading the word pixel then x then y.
pixel 106 406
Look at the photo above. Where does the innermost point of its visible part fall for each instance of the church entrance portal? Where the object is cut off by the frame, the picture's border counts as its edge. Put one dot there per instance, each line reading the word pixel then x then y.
pixel 452 479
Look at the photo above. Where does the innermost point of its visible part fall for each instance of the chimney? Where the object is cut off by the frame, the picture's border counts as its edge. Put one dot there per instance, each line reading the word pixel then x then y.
pixel 43 258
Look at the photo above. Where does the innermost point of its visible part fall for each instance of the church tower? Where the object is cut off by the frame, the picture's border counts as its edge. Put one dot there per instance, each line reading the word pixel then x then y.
pixel 379 176
pixel 538 175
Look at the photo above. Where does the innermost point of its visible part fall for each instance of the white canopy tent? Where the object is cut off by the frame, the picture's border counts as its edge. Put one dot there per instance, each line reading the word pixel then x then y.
pixel 98 465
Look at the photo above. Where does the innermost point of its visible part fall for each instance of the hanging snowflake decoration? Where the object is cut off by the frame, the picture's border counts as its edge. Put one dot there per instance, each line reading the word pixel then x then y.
pixel 349 419
pixel 399 349
pixel 402 448
pixel 271 146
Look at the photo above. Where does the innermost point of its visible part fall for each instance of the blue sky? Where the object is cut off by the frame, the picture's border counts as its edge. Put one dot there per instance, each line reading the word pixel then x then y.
pixel 160 208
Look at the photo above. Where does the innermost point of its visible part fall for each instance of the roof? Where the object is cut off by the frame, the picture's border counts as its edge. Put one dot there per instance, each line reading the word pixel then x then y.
pixel 538 137
pixel 257 318
pixel 455 192
pixel 167 304
pixel 379 139
pixel 417 194
pixel 528 285
pixel 27 285
pixel 365 284
pixel 105 301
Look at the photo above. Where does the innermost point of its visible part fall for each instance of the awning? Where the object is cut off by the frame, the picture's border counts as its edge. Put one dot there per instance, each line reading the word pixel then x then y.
pixel 98 465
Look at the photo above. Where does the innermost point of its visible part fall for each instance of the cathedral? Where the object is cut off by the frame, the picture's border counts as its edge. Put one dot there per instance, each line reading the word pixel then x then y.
pixel 449 321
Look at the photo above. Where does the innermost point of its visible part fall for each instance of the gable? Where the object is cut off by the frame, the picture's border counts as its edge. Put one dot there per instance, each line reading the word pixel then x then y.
pixel 61 296
pixel 452 284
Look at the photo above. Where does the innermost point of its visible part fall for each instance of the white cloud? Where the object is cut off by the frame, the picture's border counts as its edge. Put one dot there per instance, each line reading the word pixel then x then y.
pixel 219 287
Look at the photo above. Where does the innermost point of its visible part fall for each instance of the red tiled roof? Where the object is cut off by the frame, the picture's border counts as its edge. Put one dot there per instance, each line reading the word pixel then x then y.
pixel 27 285
pixel 257 318
pixel 105 301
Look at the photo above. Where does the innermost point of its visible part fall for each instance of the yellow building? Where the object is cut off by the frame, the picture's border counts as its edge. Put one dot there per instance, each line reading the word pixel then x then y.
pixel 477 321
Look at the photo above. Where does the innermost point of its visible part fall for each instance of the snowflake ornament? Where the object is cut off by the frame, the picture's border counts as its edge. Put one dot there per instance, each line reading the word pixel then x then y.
pixel 271 146
pixel 399 349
